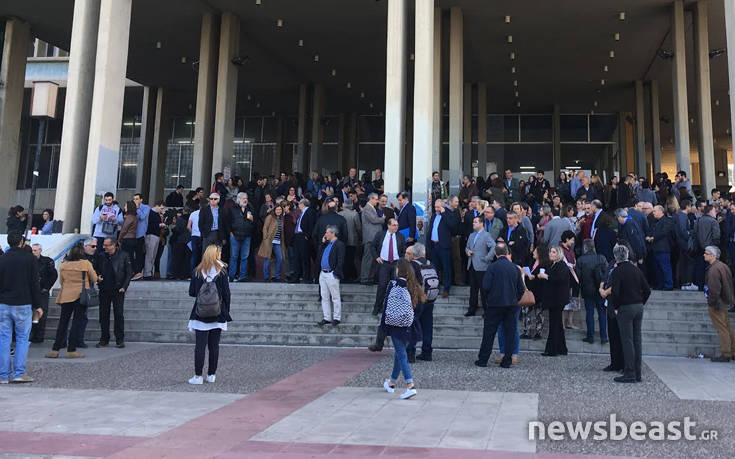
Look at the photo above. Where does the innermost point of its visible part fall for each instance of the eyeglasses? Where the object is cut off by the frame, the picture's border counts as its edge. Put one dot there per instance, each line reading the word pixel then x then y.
pixel 214 199
pixel 93 246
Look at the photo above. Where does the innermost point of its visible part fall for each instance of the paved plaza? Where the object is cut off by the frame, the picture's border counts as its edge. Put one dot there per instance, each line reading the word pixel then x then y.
pixel 272 402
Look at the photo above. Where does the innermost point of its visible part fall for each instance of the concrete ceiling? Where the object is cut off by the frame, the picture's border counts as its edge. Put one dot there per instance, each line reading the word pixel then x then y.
pixel 561 48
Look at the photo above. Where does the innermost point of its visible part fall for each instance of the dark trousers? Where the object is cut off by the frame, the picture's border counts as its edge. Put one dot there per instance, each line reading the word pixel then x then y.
pixel 442 260
pixel 100 243
pixel 196 252
pixel 685 268
pixel 206 339
pixel 425 317
pixel 302 264
pixel 495 316
pixel 139 255
pixel 630 317
pixel 664 277
pixel 385 273
pixel 699 267
pixel 67 310
pixel 617 361
pixel 556 344
pixel 179 268
pixel 115 300
pixel 39 330
pixel 476 290
pixel 128 246
pixel 350 268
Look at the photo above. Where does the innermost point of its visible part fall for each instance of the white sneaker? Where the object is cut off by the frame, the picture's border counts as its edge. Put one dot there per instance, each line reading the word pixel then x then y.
pixel 409 393
pixel 388 388
pixel 210 378
pixel 196 380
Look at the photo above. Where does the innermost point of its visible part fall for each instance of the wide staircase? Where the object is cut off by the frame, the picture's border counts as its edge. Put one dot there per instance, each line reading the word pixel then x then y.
pixel 674 324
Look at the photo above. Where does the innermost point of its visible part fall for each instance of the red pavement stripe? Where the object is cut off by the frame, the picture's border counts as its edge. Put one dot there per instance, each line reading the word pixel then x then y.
pixel 64 444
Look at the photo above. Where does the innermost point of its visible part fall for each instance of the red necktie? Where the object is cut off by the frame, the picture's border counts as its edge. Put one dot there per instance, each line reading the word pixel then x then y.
pixel 390 249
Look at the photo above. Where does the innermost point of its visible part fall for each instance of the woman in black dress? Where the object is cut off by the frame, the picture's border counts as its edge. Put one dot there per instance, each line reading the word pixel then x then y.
pixel 556 295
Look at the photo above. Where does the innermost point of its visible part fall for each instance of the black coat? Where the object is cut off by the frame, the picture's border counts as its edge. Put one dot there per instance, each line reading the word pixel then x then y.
pixel 329 219
pixel 223 287
pixel 519 250
pixel 238 224
pixel 503 284
pixel 407 219
pixel 14 224
pixel 308 222
pixel 154 222
pixel 336 257
pixel 447 227
pixel 378 244
pixel 47 273
pixel 605 241
pixel 591 270
pixel 631 232
pixel 205 223
pixel 556 289
pixel 664 236
pixel 120 266
pixel 19 282
pixel 174 199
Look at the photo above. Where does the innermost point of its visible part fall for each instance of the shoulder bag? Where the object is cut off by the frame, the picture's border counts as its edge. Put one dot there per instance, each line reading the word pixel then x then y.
pixel 89 297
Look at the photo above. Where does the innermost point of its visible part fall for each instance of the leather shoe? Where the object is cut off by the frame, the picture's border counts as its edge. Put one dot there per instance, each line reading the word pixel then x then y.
pixel 425 358
pixel 610 368
pixel 469 314
pixel 505 364
pixel 445 294
pixel 375 348
pixel 588 340
pixel 323 322
pixel 411 358
pixel 546 354
pixel 624 379
pixel 720 358
pixel 480 364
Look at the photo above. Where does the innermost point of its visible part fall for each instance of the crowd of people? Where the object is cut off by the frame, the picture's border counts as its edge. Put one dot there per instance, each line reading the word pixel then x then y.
pixel 569 245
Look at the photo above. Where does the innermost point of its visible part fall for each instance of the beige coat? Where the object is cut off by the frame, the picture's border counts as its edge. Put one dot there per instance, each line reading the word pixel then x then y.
pixel 270 228
pixel 70 277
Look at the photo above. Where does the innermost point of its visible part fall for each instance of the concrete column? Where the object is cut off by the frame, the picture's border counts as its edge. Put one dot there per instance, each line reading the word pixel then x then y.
pixel 395 97
pixel 341 144
pixel 317 130
pixel 103 152
pixel 278 160
pixel 351 139
pixel 655 127
pixel 704 98
pixel 456 97
pixel 299 159
pixel 423 102
pixel 556 130
pixel 437 142
pixel 147 128
pixel 467 130
pixel 730 29
pixel 161 133
pixel 482 130
pixel 622 147
pixel 681 106
pixel 206 97
pixel 224 111
pixel 640 131
pixel 12 75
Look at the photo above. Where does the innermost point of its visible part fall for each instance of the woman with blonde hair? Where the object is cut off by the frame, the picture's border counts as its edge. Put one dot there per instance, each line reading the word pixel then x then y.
pixel 273 236
pixel 557 280
pixel 211 312
pixel 403 295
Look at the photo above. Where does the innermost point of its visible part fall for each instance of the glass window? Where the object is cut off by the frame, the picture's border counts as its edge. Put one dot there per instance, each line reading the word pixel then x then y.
pixel 291 133
pixel 540 156
pixel 183 129
pixel 502 128
pixel 270 129
pixel 573 128
pixel 370 156
pixel 239 128
pixel 242 157
pixel 331 128
pixel 371 128
pixel 253 128
pixel 128 170
pixel 603 128
pixel 536 128
pixel 591 157
pixel 263 158
pixel 53 131
pixel 179 162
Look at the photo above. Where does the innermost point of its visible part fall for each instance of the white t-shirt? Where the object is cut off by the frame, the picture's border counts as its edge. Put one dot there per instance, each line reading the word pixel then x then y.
pixel 194 219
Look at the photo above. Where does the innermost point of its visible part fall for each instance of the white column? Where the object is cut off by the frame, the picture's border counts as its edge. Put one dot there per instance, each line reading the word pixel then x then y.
pixel 438 119
pixel 640 130
pixel 704 98
pixel 12 75
pixel 206 96
pixel 456 97
pixel 467 130
pixel 482 130
pixel 317 130
pixel 161 133
pixel 655 127
pixel 423 102
pixel 103 151
pixel 224 112
pixel 730 29
pixel 395 98
pixel 77 113
pixel 299 159
pixel 147 129
pixel 681 106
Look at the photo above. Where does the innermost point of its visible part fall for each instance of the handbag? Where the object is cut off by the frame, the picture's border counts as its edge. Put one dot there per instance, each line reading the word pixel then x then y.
pixel 90 297
pixel 109 227
pixel 528 298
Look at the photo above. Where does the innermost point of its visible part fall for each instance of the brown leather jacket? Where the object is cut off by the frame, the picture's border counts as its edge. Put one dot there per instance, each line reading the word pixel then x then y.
pixel 719 286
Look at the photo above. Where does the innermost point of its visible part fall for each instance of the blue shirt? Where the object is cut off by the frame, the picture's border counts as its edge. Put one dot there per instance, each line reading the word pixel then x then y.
pixel 593 230
pixel 435 228
pixel 47 228
pixel 325 256
pixel 510 230
pixel 142 212
pixel 215 218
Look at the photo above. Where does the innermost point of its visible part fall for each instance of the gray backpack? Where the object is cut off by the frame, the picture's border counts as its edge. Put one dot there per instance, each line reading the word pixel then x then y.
pixel 208 301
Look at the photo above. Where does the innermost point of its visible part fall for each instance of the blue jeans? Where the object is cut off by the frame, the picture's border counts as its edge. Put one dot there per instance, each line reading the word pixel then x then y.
pixel 501 335
pixel 239 250
pixel 664 277
pixel 442 260
pixel 16 318
pixel 590 304
pixel 279 261
pixel 196 251
pixel 400 361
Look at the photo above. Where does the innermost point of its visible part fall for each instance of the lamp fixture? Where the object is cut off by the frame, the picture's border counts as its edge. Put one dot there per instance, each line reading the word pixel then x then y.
pixel 617 36
pixel 362 95
pixel 717 102
pixel 249 97
pixel 605 68
pixel 158 45
pixel 316 57
pixel 621 16
pixel 594 103
pixel 602 82
pixel 518 104
pixel 371 105
pixel 183 60
pixel 279 23
pixel 301 43
pixel 512 55
pixel 334 72
pixel 512 70
pixel 592 112
pixel 507 19
pixel 349 85
pixel 257 105
pixel 412 57
pixel 516 93
pixel 515 83
pixel 612 54
pixel 510 38
pixel 258 2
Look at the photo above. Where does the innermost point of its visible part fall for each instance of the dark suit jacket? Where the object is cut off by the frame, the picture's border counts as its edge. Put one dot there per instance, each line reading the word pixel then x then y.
pixel 308 222
pixel 631 232
pixel 205 223
pixel 330 218
pixel 336 257
pixel 502 284
pixel 605 241
pixel 521 244
pixel 445 230
pixel 378 244
pixel 407 219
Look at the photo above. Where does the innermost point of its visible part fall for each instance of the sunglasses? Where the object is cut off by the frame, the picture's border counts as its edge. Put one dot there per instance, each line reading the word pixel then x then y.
pixel 214 199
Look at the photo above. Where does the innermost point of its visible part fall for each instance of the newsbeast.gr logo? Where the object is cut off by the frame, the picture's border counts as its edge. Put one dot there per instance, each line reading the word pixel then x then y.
pixel 614 430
